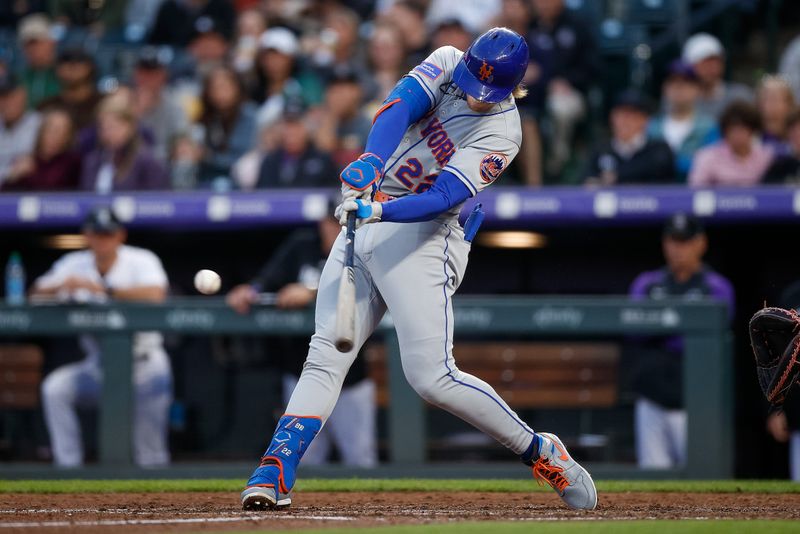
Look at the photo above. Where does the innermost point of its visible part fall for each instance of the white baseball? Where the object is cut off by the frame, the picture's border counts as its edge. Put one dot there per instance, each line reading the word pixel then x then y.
pixel 207 281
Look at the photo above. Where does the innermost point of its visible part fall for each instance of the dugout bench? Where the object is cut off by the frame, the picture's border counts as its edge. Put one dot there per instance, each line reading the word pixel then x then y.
pixel 708 376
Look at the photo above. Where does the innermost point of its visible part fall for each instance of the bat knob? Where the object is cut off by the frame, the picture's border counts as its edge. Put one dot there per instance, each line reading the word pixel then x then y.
pixel 344 345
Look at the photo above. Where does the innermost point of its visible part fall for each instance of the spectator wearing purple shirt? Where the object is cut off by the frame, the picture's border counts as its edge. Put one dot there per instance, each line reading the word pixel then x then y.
pixel 660 419
pixel 121 161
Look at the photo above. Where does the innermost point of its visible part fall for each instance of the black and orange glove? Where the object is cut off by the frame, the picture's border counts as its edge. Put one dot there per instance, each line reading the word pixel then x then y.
pixel 775 338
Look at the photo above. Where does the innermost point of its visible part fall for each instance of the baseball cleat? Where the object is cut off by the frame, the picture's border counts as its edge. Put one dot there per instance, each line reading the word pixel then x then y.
pixel 557 468
pixel 263 498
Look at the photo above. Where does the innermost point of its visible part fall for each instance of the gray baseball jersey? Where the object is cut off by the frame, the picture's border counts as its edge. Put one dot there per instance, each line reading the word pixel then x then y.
pixel 413 269
pixel 475 147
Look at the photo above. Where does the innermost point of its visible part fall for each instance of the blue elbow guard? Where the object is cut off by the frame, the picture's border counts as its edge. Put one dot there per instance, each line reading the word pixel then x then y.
pixel 411 92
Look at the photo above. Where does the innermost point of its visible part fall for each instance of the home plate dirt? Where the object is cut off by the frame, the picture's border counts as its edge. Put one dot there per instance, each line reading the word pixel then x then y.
pixel 182 512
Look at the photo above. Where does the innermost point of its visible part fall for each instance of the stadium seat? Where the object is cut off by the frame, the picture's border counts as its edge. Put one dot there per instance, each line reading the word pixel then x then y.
pixel 531 375
pixel 20 376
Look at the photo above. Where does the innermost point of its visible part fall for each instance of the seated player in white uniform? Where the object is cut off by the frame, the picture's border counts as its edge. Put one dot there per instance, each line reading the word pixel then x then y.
pixel 447 131
pixel 108 269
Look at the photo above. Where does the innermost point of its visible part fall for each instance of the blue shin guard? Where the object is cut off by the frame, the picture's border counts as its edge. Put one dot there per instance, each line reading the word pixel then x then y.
pixel 278 466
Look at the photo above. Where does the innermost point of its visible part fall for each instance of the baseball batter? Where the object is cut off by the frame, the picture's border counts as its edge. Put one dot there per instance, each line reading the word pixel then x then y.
pixel 447 131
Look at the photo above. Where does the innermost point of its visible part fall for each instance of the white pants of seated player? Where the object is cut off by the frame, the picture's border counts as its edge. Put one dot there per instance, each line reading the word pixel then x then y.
pixel 77 385
pixel 794 456
pixel 350 427
pixel 660 435
pixel 412 269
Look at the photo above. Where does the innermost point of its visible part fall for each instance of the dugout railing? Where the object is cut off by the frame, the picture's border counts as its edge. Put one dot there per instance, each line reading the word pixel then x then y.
pixel 708 365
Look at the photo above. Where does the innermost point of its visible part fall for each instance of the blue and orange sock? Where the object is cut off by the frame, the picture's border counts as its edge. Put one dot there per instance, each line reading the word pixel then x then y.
pixel 530 455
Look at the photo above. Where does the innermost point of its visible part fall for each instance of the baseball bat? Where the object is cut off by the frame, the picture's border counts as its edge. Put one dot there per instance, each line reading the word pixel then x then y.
pixel 346 306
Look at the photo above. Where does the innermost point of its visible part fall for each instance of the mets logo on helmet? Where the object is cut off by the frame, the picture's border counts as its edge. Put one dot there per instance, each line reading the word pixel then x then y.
pixel 485 72
pixel 492 165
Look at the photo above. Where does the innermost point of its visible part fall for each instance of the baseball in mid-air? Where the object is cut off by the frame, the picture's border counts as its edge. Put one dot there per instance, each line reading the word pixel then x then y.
pixel 207 281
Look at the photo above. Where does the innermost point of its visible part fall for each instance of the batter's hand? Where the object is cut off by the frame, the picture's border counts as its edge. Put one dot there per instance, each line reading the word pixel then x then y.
pixel 241 297
pixel 363 172
pixel 366 211
pixel 348 193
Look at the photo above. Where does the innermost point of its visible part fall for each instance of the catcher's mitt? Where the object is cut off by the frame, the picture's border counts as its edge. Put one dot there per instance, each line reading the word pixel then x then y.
pixel 775 338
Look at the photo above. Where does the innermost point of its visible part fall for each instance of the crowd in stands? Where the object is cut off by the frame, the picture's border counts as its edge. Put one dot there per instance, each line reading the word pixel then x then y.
pixel 251 94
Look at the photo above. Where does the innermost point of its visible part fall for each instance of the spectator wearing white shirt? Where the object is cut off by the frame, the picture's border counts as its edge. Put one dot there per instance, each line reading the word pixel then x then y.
pixel 683 128
pixel 108 270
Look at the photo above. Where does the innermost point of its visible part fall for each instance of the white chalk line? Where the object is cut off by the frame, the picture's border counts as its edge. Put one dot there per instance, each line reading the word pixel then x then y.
pixel 172 521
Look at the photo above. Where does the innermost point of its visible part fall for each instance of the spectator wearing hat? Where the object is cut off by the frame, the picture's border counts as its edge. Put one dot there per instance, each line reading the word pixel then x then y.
pixel 278 78
pixel 55 164
pixel 631 157
pixel 785 168
pixel 228 122
pixel 739 158
pixel 776 103
pixel 18 128
pixel 108 270
pixel 122 160
pixel 158 109
pixel 38 75
pixel 340 126
pixel 657 363
pixel 77 73
pixel 565 63
pixel 296 161
pixel 178 22
pixel 680 125
pixel 705 54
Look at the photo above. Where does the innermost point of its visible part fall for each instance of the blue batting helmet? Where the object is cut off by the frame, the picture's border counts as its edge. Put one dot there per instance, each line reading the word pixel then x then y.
pixel 493 65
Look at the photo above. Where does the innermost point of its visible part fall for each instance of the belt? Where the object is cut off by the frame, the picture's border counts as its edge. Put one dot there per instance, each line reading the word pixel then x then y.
pixel 380 196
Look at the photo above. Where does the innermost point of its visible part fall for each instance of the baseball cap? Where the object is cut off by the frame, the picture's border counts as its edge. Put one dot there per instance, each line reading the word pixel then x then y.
pixel 681 69
pixel 75 55
pixel 294 108
pixel 683 227
pixel 343 73
pixel 635 99
pixel 701 46
pixel 34 27
pixel 102 220
pixel 8 82
pixel 153 58
pixel 281 40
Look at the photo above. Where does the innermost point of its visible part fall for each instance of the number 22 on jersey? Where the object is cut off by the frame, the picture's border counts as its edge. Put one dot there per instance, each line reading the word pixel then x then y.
pixel 410 175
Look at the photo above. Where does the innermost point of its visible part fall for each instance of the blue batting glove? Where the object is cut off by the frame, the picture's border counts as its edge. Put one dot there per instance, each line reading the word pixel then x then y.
pixel 363 172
